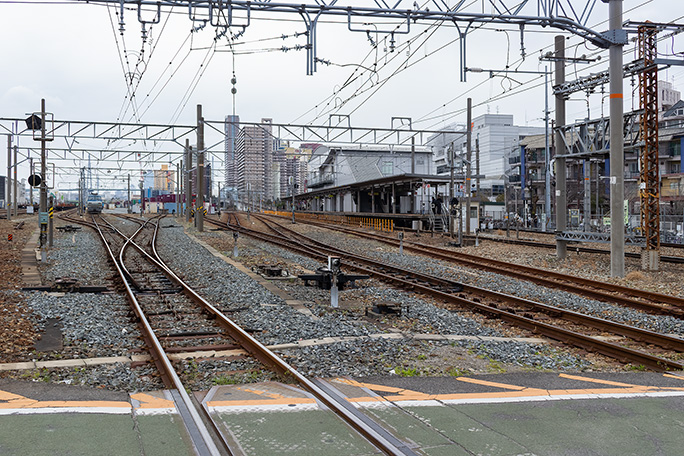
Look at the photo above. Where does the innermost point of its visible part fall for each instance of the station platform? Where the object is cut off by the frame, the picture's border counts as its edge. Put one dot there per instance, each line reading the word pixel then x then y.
pixel 505 414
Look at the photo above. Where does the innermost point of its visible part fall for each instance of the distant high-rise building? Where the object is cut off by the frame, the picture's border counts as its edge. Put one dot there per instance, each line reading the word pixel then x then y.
pixel 253 158
pixel 164 180
pixel 232 132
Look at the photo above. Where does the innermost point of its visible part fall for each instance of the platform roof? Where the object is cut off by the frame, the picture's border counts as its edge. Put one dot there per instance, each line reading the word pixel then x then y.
pixel 399 179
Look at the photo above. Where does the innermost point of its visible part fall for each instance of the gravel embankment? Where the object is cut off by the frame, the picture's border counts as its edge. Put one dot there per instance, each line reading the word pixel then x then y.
pixel 497 282
pixel 100 325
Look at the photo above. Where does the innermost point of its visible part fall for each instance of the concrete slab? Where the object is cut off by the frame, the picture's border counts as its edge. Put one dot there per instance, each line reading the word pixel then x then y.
pixel 29 262
pixel 73 434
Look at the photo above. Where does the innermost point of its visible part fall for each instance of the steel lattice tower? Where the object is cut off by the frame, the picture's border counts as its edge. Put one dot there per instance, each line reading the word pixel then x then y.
pixel 650 181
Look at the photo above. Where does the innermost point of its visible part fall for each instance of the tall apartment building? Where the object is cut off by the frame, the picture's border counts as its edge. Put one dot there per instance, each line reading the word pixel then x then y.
pixel 232 132
pixel 253 159
pixel 164 179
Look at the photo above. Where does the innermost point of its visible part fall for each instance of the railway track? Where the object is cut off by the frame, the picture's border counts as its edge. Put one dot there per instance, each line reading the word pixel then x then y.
pixel 580 249
pixel 157 293
pixel 656 303
pixel 553 322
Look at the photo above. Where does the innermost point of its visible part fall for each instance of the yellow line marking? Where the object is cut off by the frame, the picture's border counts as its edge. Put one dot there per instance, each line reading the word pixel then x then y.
pixel 678 377
pixel 43 404
pixel 262 393
pixel 388 389
pixel 494 384
pixel 147 401
pixel 602 382
pixel 16 401
pixel 7 396
pixel 281 401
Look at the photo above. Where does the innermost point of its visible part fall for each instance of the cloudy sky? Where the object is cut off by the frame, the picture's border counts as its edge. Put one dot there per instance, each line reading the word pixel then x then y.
pixel 73 55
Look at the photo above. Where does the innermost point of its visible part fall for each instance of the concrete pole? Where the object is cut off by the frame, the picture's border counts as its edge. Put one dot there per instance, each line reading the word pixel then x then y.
pixel 200 170
pixel 80 194
pixel 188 187
pixel 587 195
pixel 451 189
pixel 14 182
pixel 293 200
pixel 547 153
pixel 31 186
pixel 477 165
pixel 8 196
pixel 561 185
pixel 129 193
pixel 178 167
pixel 394 199
pixel 51 222
pixel 469 157
pixel 43 184
pixel 181 190
pixel 412 192
pixel 617 159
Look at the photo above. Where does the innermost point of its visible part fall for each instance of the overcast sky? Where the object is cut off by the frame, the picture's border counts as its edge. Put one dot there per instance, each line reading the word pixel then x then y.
pixel 72 55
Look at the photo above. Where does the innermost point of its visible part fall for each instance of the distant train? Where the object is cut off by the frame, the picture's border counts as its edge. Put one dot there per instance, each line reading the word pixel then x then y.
pixel 94 204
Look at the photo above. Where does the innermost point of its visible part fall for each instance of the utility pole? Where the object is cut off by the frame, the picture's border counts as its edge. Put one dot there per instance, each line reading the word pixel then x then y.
pixel 219 196
pixel 293 199
pixel 181 189
pixel 469 157
pixel 451 189
pixel 413 171
pixel 51 210
pixel 31 186
pixel 547 153
pixel 8 199
pixel 188 187
pixel 129 193
pixel 617 159
pixel 42 216
pixel 561 194
pixel 81 181
pixel 178 168
pixel 14 182
pixel 477 166
pixel 200 170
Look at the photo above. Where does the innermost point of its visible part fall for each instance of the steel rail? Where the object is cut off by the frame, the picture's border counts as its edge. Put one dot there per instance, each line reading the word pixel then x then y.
pixel 587 342
pixel 662 340
pixel 601 291
pixel 383 440
pixel 543 245
pixel 206 445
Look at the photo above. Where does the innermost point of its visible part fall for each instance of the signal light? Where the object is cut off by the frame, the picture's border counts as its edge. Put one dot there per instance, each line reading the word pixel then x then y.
pixel 34 122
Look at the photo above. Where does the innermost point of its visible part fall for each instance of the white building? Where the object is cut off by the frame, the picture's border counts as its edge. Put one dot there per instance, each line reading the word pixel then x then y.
pixel 495 136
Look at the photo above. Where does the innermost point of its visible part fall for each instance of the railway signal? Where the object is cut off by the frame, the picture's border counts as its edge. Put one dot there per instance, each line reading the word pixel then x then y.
pixel 331 278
